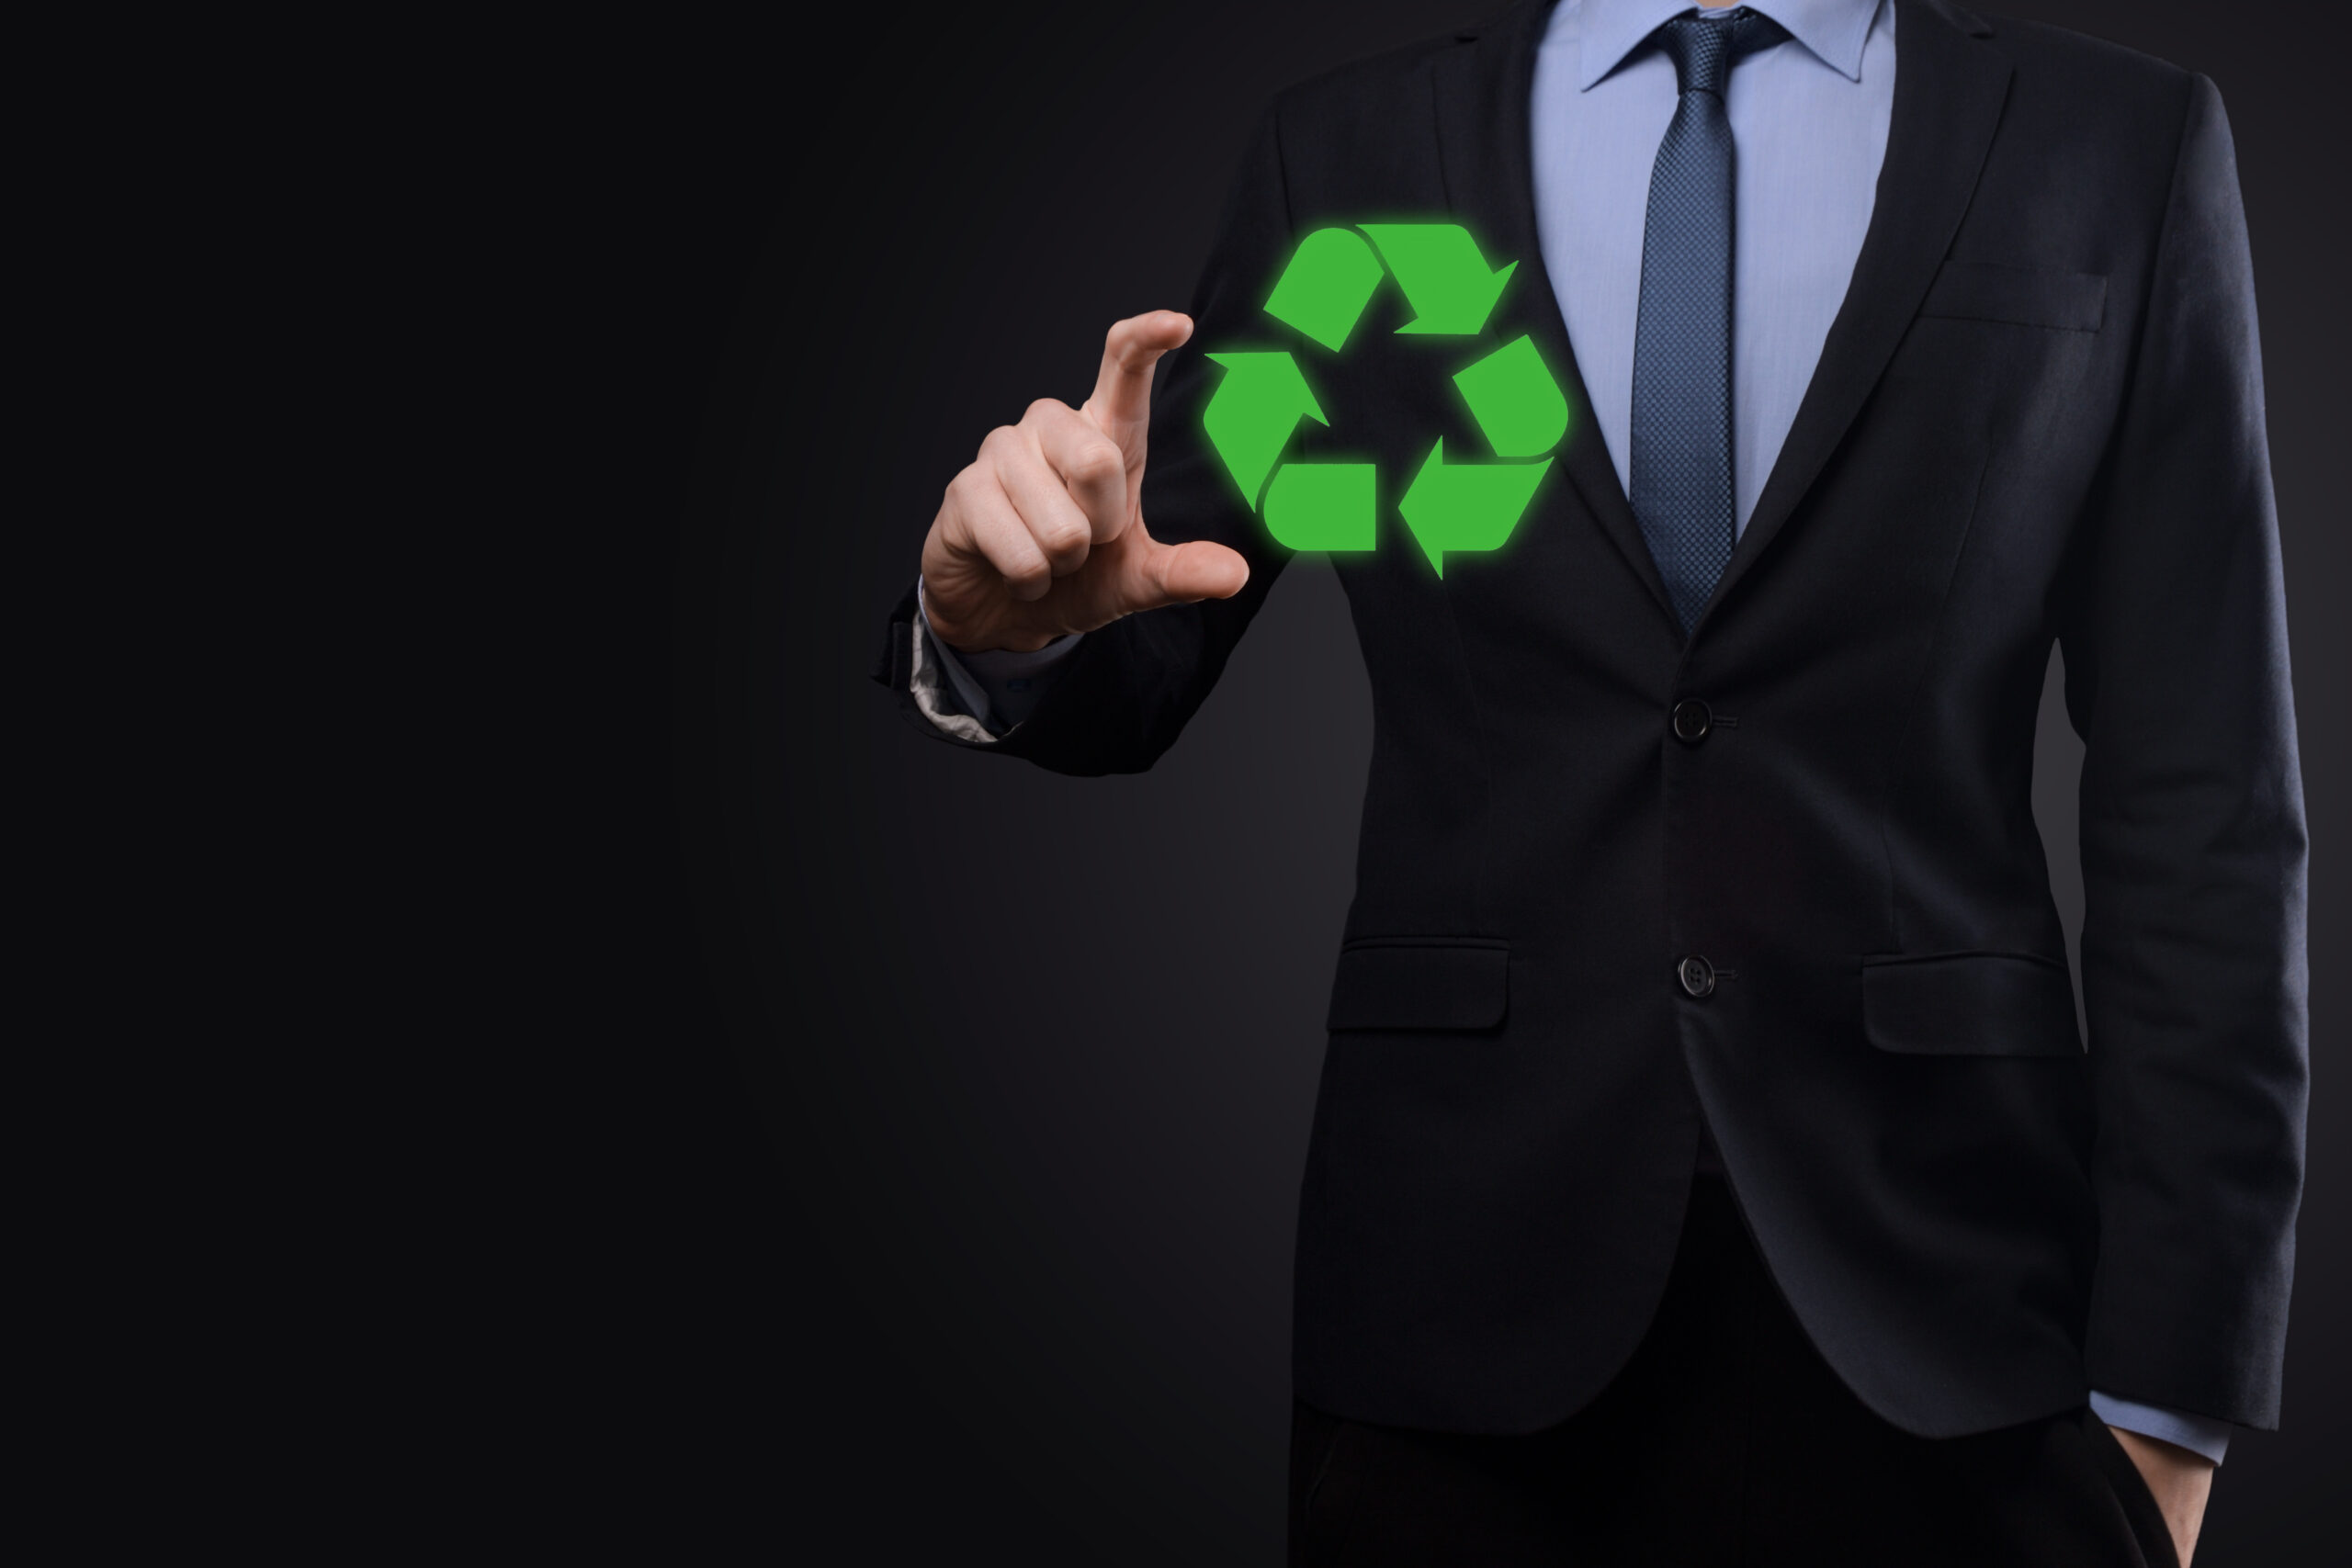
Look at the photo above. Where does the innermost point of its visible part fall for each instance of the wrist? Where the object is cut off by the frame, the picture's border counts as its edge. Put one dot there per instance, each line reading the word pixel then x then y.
pixel 2179 1480
pixel 985 629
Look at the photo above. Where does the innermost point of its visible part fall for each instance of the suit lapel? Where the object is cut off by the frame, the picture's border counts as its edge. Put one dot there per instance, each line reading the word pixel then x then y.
pixel 1484 156
pixel 1949 89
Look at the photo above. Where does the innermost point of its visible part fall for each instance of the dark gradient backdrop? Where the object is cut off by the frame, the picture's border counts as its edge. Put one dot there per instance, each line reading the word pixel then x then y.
pixel 950 1164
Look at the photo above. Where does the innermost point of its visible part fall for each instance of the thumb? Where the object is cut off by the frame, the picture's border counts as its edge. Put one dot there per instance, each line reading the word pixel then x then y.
pixel 1182 574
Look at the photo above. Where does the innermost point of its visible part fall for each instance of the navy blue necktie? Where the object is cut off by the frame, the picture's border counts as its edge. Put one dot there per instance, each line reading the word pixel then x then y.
pixel 1683 432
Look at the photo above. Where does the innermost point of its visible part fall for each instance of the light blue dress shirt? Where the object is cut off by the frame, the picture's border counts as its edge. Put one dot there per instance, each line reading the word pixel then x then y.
pixel 1809 119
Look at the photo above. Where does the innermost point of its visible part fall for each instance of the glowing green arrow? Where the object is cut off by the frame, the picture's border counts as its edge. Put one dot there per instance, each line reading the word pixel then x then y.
pixel 1324 289
pixel 1515 401
pixel 1466 506
pixel 1444 275
pixel 1325 506
pixel 1253 412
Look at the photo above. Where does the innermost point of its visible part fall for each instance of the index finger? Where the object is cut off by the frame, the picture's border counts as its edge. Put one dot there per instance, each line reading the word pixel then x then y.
pixel 1122 387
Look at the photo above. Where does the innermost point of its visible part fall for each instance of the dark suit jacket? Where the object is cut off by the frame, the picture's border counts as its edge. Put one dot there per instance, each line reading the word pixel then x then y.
pixel 2039 415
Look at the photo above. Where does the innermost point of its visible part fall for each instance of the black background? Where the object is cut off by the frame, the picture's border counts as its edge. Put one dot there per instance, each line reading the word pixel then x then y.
pixel 923 1146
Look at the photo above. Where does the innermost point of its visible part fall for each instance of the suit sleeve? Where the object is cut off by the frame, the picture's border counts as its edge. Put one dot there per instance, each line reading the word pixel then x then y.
pixel 1128 689
pixel 2193 847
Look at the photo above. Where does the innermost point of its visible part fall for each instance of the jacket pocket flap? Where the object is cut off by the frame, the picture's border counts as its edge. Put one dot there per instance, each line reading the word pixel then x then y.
pixel 1421 983
pixel 2028 296
pixel 1970 1004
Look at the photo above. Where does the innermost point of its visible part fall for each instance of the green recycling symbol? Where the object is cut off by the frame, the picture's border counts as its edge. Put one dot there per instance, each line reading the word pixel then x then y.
pixel 1457 505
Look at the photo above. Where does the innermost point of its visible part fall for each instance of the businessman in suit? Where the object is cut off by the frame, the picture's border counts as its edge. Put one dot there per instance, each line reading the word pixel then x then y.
pixel 1706 1166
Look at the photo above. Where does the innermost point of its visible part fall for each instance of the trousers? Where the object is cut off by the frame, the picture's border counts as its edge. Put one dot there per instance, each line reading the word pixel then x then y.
pixel 1724 1441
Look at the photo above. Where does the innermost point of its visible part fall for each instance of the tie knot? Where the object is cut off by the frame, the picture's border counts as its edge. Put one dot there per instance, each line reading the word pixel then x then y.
pixel 1704 49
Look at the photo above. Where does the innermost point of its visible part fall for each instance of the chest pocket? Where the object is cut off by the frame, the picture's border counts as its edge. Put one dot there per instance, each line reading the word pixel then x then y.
pixel 2024 296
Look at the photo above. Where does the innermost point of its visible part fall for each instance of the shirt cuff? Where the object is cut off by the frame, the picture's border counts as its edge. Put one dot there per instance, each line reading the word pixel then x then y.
pixel 2199 1434
pixel 1001 687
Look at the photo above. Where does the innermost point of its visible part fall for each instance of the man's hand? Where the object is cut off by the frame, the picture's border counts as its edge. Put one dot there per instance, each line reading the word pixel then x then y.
pixel 1043 533
pixel 2180 1480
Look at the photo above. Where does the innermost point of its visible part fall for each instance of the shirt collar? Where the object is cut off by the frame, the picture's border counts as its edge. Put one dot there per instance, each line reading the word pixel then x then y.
pixel 1833 30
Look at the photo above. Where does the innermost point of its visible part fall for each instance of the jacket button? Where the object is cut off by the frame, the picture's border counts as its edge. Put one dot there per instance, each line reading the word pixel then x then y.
pixel 1690 719
pixel 1698 976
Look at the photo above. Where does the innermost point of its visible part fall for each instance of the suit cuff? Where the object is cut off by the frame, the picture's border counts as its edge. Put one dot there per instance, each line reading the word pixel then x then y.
pixel 2197 1434
pixel 997 689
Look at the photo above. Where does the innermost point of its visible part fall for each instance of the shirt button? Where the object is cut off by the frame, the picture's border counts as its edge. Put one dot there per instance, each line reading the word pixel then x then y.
pixel 1698 976
pixel 1690 719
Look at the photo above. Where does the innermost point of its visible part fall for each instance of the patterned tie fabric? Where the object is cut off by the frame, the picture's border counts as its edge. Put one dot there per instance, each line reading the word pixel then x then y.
pixel 1682 428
